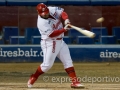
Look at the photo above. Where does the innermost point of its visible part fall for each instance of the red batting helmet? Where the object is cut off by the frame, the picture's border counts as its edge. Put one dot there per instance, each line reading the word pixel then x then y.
pixel 42 9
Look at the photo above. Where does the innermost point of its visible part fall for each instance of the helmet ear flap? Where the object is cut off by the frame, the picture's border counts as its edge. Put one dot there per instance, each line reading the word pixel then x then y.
pixel 42 14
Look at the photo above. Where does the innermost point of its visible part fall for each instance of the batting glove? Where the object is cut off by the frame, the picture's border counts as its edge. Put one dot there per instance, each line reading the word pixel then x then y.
pixel 67 27
pixel 67 21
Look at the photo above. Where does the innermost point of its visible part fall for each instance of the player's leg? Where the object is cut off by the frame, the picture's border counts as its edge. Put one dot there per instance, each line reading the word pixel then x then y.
pixel 34 77
pixel 64 56
pixel 50 52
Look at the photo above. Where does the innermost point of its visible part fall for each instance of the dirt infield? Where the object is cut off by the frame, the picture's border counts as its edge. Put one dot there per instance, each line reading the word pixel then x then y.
pixel 57 86
pixel 95 76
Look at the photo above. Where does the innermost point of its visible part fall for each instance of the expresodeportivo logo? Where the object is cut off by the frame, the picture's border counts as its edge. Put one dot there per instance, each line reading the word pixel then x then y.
pixel 85 79
pixel 108 54
pixel 19 52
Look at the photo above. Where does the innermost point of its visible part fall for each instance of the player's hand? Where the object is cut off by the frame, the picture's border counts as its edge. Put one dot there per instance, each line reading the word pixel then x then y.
pixel 67 27
pixel 67 21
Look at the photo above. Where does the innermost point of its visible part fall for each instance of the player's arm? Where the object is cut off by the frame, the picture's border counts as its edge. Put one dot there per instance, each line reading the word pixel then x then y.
pixel 46 29
pixel 60 11
pixel 58 32
pixel 65 17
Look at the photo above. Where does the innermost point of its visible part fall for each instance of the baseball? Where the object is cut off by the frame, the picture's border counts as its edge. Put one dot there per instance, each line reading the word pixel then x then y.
pixel 100 20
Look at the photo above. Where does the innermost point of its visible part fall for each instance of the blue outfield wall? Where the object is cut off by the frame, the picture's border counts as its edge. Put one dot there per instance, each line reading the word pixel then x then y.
pixel 33 53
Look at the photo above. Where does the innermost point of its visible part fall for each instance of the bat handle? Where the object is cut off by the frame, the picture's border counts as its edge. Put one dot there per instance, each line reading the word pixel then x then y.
pixel 69 25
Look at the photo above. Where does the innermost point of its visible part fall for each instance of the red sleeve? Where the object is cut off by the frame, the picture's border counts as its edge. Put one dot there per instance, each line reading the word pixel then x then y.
pixel 64 15
pixel 57 33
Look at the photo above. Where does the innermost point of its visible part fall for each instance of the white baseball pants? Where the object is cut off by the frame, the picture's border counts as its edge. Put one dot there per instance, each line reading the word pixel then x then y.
pixel 52 49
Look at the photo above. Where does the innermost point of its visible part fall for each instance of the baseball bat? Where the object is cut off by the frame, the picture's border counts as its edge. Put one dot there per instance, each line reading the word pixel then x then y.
pixel 84 32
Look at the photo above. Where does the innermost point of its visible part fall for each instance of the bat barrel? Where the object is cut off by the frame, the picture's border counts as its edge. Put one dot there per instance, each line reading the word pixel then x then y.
pixel 84 32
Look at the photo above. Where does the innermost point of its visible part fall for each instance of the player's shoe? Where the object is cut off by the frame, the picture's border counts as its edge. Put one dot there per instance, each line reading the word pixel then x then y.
pixel 31 81
pixel 77 85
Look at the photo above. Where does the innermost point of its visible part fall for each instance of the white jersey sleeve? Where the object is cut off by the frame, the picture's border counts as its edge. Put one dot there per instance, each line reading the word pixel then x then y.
pixel 59 10
pixel 56 11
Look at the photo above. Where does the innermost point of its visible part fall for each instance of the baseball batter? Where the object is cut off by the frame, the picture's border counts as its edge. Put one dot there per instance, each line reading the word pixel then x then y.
pixel 52 44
